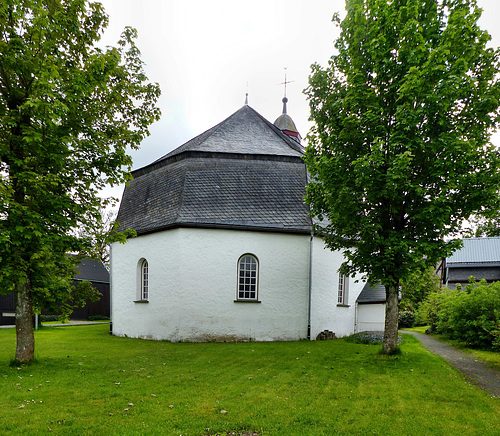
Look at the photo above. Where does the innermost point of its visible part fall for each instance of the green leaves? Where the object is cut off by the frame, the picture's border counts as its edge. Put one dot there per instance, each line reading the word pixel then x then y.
pixel 400 154
pixel 68 112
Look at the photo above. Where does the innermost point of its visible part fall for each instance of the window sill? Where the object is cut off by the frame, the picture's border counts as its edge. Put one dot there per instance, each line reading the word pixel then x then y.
pixel 141 301
pixel 343 305
pixel 247 301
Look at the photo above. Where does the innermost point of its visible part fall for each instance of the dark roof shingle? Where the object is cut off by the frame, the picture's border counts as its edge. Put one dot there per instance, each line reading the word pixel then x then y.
pixel 243 173
pixel 92 270
pixel 372 294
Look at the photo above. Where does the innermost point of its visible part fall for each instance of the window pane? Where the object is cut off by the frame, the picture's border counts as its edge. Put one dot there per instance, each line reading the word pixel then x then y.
pixel 144 280
pixel 247 277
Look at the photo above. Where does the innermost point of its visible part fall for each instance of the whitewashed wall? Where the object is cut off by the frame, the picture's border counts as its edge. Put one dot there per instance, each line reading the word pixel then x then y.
pixel 327 314
pixel 371 317
pixel 193 284
pixel 193 281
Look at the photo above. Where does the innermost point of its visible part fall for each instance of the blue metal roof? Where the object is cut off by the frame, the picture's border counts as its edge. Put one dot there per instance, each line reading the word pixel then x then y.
pixel 475 251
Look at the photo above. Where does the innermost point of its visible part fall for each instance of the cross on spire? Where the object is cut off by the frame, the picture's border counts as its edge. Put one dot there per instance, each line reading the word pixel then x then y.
pixel 285 99
pixel 286 82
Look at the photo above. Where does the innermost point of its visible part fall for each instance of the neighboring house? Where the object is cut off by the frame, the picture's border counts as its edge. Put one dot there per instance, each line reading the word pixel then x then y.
pixel 224 247
pixel 88 269
pixel 95 272
pixel 479 258
pixel 7 309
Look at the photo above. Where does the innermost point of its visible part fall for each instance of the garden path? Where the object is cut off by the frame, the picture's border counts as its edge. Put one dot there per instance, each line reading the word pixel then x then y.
pixel 481 375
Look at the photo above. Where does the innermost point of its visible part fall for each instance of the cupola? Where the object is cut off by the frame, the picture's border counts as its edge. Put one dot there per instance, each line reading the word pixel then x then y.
pixel 285 123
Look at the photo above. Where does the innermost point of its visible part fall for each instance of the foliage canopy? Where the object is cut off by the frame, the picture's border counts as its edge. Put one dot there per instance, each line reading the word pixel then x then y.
pixel 399 154
pixel 68 112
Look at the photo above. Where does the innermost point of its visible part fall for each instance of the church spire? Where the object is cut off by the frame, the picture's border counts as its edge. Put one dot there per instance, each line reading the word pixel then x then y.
pixel 284 122
pixel 285 101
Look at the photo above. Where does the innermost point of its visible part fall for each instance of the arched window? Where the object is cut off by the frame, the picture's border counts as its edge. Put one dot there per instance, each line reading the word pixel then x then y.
pixel 343 289
pixel 248 277
pixel 144 280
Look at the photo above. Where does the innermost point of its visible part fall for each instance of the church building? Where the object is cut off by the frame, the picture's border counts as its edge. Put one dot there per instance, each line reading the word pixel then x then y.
pixel 225 248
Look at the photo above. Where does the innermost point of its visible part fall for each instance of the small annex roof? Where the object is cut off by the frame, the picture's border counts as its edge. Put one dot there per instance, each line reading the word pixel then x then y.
pixel 372 294
pixel 476 252
pixel 243 173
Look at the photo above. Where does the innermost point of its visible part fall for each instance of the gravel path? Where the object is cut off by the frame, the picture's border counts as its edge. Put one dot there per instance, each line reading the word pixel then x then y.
pixel 481 375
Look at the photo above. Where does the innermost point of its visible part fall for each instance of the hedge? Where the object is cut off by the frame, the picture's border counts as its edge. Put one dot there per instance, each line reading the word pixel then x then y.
pixel 471 315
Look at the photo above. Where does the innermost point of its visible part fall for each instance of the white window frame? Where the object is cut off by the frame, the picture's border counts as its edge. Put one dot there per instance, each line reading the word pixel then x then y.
pixel 247 279
pixel 343 290
pixel 144 280
pixel 142 294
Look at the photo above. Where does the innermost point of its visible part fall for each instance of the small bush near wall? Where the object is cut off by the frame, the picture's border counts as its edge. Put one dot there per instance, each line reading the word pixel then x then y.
pixel 471 316
pixel 49 318
pixel 98 318
pixel 406 319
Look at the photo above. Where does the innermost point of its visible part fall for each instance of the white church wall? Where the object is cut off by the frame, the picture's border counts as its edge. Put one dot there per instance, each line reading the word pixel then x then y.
pixel 371 317
pixel 327 313
pixel 193 283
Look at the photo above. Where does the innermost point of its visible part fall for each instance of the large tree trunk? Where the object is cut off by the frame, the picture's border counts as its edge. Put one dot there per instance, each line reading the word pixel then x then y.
pixel 25 349
pixel 390 343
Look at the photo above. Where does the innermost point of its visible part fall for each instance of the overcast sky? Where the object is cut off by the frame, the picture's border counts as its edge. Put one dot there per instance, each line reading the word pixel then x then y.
pixel 206 54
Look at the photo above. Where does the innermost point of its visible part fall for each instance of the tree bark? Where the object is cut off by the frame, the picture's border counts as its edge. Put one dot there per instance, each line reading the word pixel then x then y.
pixel 390 343
pixel 25 349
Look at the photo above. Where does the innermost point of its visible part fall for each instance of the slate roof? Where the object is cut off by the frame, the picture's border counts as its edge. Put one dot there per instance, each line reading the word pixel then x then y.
pixel 372 294
pixel 490 273
pixel 92 270
pixel 246 131
pixel 243 173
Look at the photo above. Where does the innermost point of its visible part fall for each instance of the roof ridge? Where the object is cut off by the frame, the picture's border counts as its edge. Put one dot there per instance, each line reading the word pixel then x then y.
pixel 290 142
pixel 209 132
pixel 481 238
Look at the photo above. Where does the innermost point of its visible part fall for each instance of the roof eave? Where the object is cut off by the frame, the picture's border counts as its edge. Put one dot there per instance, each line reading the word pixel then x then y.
pixel 306 230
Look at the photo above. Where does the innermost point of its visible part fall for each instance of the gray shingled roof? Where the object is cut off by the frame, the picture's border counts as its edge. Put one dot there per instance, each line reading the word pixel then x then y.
pixel 93 271
pixel 244 132
pixel 490 273
pixel 372 294
pixel 243 173
pixel 476 252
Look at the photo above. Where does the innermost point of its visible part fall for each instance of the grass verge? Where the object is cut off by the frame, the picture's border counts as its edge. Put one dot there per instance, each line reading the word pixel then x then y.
pixel 87 382
pixel 488 357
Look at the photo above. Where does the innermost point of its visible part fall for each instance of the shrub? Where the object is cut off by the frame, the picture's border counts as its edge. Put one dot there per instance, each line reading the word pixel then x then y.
pixel 471 316
pixel 406 319
pixel 49 318
pixel 429 311
pixel 98 318
pixel 474 316
pixel 417 287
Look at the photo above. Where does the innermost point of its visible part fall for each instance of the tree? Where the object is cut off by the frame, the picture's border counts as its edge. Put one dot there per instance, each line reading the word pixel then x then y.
pixel 399 154
pixel 101 232
pixel 416 287
pixel 481 226
pixel 68 112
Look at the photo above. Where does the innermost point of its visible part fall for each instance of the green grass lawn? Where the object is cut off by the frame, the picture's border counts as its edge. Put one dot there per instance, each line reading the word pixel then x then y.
pixel 488 357
pixel 88 382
